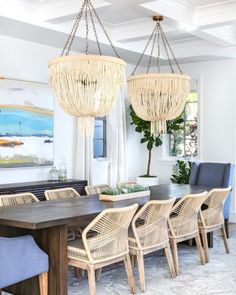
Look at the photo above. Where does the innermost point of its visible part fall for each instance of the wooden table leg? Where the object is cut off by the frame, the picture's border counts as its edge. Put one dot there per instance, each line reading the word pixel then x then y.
pixel 53 241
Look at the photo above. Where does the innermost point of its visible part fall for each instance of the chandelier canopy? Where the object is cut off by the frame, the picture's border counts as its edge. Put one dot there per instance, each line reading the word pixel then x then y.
pixel 87 85
pixel 158 97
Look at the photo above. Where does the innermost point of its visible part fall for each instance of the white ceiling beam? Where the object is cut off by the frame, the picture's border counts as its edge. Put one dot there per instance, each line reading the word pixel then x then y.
pixel 174 10
pixel 136 30
pixel 220 14
pixel 219 39
pixel 68 9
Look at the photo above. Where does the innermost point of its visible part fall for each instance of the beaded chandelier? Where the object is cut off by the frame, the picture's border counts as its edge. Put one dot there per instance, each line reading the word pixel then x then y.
pixel 158 97
pixel 87 85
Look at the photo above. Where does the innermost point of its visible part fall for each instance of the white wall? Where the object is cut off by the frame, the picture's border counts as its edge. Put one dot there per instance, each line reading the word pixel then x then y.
pixel 25 60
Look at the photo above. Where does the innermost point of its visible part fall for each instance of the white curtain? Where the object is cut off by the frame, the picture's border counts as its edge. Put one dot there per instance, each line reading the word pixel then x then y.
pixel 83 155
pixel 117 141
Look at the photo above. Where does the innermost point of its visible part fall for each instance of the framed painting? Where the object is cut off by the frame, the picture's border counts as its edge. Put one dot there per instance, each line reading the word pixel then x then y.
pixel 26 124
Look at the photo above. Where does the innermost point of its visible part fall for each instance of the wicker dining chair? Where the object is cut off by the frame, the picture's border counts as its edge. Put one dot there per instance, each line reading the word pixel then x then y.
pixel 96 189
pixel 150 233
pixel 60 194
pixel 17 199
pixel 183 224
pixel 212 217
pixel 107 245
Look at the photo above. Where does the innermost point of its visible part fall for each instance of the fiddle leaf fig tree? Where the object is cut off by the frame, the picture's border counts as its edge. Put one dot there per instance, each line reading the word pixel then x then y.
pixel 152 141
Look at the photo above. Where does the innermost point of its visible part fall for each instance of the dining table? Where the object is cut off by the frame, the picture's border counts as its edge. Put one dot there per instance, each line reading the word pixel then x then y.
pixel 47 222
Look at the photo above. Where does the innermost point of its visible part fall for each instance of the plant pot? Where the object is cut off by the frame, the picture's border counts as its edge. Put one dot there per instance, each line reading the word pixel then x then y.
pixel 121 197
pixel 147 181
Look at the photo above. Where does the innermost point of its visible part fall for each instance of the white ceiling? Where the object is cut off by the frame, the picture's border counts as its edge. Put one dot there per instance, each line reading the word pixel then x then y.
pixel 198 30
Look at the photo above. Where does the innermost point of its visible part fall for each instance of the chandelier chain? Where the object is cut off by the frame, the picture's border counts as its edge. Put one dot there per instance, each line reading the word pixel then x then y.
pixel 73 32
pixel 87 28
pixel 166 49
pixel 95 32
pixel 142 55
pixel 104 30
pixel 153 45
pixel 158 36
pixel 70 40
pixel 173 55
pixel 88 10
pixel 158 51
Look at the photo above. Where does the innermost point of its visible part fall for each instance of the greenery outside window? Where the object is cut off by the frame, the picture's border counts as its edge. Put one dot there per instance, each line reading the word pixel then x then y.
pixel 184 142
pixel 99 140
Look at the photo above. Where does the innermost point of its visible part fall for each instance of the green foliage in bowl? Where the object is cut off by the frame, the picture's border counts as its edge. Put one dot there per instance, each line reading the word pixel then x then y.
pixel 125 189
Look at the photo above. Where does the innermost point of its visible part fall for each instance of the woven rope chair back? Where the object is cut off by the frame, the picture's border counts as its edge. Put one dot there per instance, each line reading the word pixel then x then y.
pixel 184 214
pixel 96 189
pixel 61 193
pixel 214 212
pixel 110 234
pixel 150 226
pixel 17 199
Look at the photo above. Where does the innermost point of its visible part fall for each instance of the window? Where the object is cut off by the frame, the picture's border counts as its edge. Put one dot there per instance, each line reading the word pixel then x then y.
pixel 184 142
pixel 99 140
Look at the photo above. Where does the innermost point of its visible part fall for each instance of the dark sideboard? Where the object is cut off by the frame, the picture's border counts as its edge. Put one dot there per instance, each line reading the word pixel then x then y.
pixel 38 187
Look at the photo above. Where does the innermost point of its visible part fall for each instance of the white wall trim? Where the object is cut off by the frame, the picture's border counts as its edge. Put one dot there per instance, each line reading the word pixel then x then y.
pixel 232 217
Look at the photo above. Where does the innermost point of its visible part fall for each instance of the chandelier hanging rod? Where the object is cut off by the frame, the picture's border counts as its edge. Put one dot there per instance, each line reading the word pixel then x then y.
pixel 89 12
pixel 155 38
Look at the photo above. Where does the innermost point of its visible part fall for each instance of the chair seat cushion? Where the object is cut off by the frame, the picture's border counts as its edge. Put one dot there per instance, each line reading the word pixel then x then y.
pixel 20 259
pixel 75 250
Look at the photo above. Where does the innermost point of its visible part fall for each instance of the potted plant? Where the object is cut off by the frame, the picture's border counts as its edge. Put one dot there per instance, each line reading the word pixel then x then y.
pixel 181 172
pixel 151 141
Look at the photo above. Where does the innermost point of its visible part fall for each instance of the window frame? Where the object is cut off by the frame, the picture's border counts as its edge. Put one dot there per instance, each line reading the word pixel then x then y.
pixel 194 89
pixel 104 139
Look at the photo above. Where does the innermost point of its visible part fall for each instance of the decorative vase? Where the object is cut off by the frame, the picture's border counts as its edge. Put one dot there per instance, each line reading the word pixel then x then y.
pixel 53 174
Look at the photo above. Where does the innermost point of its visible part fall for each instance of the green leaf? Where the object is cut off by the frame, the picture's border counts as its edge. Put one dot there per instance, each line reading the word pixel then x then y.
pixel 144 140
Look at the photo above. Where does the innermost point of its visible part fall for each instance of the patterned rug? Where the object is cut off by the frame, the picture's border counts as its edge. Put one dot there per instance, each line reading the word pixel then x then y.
pixel 215 278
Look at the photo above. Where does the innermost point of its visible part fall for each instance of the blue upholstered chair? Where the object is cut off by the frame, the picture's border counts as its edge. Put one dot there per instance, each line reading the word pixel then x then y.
pixel 215 175
pixel 21 259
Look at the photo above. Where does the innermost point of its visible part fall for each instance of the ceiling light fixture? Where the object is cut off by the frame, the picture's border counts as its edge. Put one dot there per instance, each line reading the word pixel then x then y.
pixel 158 97
pixel 87 85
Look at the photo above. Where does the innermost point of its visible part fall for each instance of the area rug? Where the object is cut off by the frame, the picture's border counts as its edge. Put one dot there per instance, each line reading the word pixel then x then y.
pixel 215 278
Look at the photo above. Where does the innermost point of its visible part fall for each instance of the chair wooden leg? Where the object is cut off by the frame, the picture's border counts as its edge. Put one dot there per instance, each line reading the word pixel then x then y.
pixel 175 256
pixel 43 283
pixel 170 260
pixel 79 272
pixel 227 227
pixel 98 273
pixel 141 270
pixel 132 257
pixel 91 280
pixel 199 249
pixel 129 272
pixel 205 244
pixel 223 233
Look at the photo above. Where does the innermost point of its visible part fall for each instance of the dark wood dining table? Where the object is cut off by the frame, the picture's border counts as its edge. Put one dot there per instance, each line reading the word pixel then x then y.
pixel 47 222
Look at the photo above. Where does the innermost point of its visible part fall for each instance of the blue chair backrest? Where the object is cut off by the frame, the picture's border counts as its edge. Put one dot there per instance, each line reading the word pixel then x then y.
pixel 215 175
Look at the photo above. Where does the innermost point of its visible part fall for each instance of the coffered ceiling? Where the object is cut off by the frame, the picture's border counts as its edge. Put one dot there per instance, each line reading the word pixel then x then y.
pixel 198 30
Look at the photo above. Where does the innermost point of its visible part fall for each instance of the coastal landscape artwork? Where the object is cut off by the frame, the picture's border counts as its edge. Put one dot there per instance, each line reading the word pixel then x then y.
pixel 26 124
